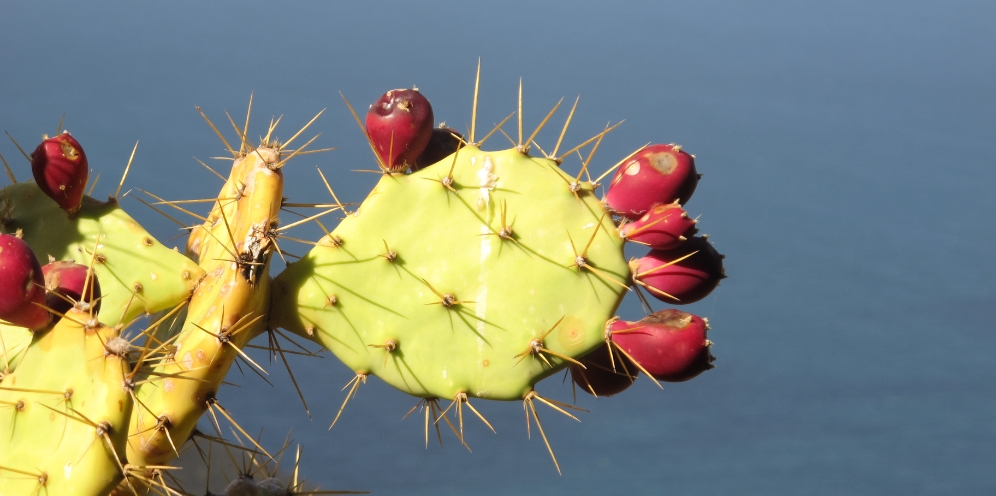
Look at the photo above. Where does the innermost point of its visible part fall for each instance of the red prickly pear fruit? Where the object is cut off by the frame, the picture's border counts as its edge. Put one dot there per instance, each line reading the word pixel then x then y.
pixel 399 124
pixel 670 345
pixel 68 278
pixel 657 174
pixel 60 169
pixel 683 275
pixel 443 142
pixel 598 376
pixel 665 227
pixel 22 287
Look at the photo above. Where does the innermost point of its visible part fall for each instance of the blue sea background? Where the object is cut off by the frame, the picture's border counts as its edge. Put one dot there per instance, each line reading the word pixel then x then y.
pixel 849 153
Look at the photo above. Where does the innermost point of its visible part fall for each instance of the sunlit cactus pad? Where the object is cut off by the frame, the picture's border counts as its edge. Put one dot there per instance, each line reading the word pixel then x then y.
pixel 137 273
pixel 481 287
pixel 64 412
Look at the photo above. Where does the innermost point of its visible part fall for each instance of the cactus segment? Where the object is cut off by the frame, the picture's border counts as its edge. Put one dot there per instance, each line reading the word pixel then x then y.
pixel 137 273
pixel 480 280
pixel 65 412
pixel 226 311
pixel 14 341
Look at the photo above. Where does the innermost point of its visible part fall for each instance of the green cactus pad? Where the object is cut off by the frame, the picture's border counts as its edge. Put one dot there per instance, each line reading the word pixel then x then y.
pixel 64 413
pixel 354 300
pixel 13 341
pixel 129 259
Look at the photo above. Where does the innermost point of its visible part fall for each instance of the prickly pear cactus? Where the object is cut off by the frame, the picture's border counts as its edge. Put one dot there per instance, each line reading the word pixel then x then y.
pixel 478 275
pixel 64 411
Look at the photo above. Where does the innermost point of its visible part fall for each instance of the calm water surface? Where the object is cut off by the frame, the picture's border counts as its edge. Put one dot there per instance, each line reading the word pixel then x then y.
pixel 849 158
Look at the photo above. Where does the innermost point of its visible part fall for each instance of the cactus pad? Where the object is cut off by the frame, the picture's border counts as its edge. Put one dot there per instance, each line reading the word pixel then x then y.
pixel 476 275
pixel 129 261
pixel 66 430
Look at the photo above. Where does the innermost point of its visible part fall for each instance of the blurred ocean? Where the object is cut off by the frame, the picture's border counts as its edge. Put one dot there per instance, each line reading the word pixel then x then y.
pixel 849 153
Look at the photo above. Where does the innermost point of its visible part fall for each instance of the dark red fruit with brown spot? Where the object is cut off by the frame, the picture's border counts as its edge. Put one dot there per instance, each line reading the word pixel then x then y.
pixel 22 287
pixel 682 275
pixel 665 227
pixel 399 124
pixel 60 169
pixel 443 142
pixel 658 174
pixel 670 344
pixel 68 279
pixel 599 378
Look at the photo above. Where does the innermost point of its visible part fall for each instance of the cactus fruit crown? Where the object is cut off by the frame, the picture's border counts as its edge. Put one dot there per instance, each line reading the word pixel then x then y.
pixel 473 277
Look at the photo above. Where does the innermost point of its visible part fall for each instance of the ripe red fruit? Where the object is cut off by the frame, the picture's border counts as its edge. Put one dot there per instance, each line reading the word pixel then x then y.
pixel 599 378
pixel 21 285
pixel 665 227
pixel 399 124
pixel 443 142
pixel 683 275
pixel 60 169
pixel 658 174
pixel 68 278
pixel 670 344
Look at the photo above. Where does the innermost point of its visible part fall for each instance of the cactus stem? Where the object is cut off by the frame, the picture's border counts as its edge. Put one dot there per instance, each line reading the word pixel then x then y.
pixel 354 386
